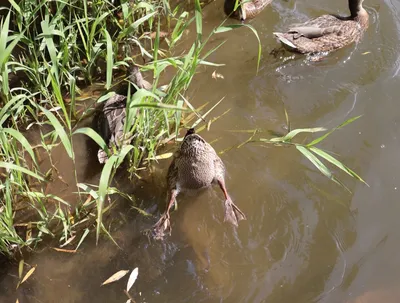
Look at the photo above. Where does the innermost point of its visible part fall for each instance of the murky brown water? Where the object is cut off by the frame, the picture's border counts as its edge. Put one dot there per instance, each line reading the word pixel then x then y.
pixel 306 239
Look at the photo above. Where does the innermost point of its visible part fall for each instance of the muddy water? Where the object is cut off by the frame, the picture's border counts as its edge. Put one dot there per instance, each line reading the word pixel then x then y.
pixel 306 239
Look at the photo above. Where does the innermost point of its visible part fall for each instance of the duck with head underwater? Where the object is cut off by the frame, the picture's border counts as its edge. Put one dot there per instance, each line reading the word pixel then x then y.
pixel 110 117
pixel 194 166
pixel 246 10
pixel 328 32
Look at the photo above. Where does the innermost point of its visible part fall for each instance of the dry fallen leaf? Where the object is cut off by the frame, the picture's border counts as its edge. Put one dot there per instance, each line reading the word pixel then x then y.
pixel 71 251
pixel 28 274
pixel 365 53
pixel 115 277
pixel 216 75
pixel 20 268
pixel 132 278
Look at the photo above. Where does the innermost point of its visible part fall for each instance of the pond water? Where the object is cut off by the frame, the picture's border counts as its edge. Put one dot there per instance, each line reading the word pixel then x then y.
pixel 305 239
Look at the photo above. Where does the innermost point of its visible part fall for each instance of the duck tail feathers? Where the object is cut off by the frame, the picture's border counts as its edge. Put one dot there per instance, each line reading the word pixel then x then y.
pixel 284 40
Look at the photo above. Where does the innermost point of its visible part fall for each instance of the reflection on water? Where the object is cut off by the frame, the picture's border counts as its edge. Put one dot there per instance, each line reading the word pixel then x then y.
pixel 306 239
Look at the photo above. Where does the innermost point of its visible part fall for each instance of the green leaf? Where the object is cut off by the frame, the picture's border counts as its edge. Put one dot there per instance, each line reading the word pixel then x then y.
pixel 294 132
pixel 7 165
pixel 337 163
pixel 48 37
pixel 198 17
pixel 94 136
pixel 59 130
pixel 86 232
pixel 21 139
pixel 6 51
pixel 110 61
pixel 315 161
pixel 319 139
pixel 103 187
pixel 105 97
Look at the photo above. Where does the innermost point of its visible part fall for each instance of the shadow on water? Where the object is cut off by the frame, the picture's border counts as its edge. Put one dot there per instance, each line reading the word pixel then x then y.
pixel 305 240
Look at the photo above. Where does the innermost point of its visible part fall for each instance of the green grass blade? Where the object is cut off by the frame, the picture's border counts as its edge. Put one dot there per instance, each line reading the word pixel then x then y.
pixel 103 189
pixel 294 132
pixel 48 37
pixel 105 97
pixel 315 161
pixel 59 130
pixel 94 136
pixel 86 232
pixel 12 166
pixel 319 139
pixel 21 139
pixel 110 62
pixel 337 163
pixel 198 17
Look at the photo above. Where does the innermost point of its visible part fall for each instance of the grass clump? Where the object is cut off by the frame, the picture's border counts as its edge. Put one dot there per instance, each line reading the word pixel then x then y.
pixel 50 51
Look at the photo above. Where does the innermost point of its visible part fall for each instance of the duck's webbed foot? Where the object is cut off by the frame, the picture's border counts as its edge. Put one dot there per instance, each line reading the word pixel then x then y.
pixel 162 227
pixel 232 213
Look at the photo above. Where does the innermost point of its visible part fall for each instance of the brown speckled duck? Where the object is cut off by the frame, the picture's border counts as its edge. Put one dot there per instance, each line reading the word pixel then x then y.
pixel 195 165
pixel 110 118
pixel 247 10
pixel 328 32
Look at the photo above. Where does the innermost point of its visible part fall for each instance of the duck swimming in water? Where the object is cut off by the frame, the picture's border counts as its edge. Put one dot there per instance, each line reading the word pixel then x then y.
pixel 109 120
pixel 247 9
pixel 195 165
pixel 328 32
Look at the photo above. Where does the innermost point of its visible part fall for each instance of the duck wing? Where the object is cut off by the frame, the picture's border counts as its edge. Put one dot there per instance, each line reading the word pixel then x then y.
pixel 322 34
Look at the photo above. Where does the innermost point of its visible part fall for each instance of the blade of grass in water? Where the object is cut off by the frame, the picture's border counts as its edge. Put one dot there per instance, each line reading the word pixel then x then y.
pixel 103 187
pixel 59 130
pixel 10 166
pixel 110 61
pixel 337 163
pixel 316 141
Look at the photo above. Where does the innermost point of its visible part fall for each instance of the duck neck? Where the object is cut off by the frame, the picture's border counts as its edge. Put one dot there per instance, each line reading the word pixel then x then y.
pixel 229 5
pixel 355 7
pixel 358 13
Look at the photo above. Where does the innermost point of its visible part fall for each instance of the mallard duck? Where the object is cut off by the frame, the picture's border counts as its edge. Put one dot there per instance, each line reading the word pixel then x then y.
pixel 328 32
pixel 195 165
pixel 247 10
pixel 110 118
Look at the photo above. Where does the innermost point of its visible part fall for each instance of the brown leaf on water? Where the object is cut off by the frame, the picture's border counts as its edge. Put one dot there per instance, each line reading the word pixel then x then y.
pixel 29 273
pixel 115 277
pixel 216 75
pixel 71 251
